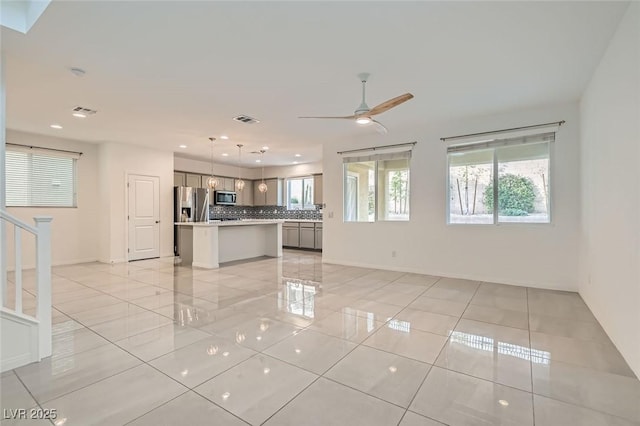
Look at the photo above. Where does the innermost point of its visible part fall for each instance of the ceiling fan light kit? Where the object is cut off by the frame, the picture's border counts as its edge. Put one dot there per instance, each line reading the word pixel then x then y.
pixel 363 114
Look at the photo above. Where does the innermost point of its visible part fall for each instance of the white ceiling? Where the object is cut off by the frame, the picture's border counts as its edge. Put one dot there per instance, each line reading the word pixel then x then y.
pixel 167 73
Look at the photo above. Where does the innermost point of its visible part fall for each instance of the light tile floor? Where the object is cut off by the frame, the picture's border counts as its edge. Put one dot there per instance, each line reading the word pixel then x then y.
pixel 292 341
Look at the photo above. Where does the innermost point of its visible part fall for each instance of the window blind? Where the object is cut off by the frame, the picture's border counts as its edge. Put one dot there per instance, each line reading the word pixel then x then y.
pixel 37 178
pixel 496 143
pixel 378 156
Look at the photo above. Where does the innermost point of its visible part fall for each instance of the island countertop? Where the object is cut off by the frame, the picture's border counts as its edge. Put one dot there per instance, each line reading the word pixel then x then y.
pixel 207 244
pixel 243 222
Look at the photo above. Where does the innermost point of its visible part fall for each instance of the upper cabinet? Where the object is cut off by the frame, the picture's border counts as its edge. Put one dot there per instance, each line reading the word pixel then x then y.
pixel 273 196
pixel 227 184
pixel 245 197
pixel 193 180
pixel 317 189
pixel 179 179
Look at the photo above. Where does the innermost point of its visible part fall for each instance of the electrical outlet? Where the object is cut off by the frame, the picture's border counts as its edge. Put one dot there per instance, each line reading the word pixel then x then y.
pixel 330 215
pixel 393 253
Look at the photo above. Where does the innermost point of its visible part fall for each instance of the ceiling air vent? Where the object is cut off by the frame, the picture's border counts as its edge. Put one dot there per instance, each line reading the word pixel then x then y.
pixel 246 119
pixel 83 110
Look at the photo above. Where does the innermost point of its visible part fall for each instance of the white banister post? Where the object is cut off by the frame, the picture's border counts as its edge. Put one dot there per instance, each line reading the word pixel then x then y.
pixel 17 237
pixel 43 284
pixel 3 198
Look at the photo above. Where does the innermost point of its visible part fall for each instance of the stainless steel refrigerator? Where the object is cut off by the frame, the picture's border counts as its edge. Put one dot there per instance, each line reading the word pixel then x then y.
pixel 190 205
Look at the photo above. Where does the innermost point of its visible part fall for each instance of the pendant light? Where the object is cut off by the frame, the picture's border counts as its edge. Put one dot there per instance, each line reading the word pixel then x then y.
pixel 263 186
pixel 239 181
pixel 212 182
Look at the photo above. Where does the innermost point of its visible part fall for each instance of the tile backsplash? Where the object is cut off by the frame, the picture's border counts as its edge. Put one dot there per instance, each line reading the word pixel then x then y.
pixel 264 212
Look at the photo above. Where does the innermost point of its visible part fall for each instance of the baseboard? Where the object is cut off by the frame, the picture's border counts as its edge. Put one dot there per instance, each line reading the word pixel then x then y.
pixel 204 265
pixel 62 263
pixel 483 278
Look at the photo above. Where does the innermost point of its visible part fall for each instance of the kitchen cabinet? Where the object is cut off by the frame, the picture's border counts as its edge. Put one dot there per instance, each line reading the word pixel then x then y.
pixel 273 196
pixel 317 189
pixel 302 235
pixel 193 180
pixel 227 184
pixel 307 235
pixel 318 243
pixel 179 179
pixel 245 197
pixel 224 184
pixel 291 234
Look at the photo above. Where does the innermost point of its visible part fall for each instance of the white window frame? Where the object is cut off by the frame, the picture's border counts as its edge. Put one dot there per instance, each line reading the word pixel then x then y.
pixel 493 144
pixel 30 152
pixel 387 193
pixel 288 195
pixel 376 158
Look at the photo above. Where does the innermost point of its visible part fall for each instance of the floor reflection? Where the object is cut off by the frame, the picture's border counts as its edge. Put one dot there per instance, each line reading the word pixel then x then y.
pixel 298 296
pixel 488 344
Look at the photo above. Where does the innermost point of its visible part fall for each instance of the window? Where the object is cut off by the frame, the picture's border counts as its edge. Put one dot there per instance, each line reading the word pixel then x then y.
pixel 513 172
pixel 300 193
pixel 376 187
pixel 40 178
pixel 360 194
pixel 393 188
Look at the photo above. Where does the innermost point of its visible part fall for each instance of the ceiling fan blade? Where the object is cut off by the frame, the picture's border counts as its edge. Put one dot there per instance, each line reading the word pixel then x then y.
pixel 387 105
pixel 349 117
pixel 379 127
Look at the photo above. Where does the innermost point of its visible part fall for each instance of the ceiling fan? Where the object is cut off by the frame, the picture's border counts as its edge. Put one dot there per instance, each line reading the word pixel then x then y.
pixel 363 114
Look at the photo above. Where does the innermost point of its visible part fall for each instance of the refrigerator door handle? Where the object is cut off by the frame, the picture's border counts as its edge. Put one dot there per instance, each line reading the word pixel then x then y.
pixel 205 209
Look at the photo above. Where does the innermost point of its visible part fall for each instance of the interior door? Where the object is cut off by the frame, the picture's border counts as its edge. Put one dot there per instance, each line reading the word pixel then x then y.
pixel 144 217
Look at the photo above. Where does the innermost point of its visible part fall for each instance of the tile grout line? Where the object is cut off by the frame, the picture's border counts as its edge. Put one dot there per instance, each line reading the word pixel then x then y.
pixel 161 405
pixel 29 392
pixel 307 327
pixel 331 367
pixel 441 349
pixel 533 408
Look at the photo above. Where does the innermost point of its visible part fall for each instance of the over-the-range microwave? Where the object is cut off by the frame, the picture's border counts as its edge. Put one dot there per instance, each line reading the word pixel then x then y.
pixel 224 198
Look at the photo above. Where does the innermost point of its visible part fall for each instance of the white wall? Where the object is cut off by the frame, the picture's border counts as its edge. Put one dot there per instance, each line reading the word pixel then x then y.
pixel 116 162
pixel 295 170
pixel 204 167
pixel 610 158
pixel 74 231
pixel 534 255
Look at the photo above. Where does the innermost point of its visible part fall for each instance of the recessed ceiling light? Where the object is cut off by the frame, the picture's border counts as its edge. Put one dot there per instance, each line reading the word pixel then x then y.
pixel 183 146
pixel 56 126
pixel 225 154
pixel 295 162
pixel 503 402
pixel 224 137
pixel 298 155
pixel 257 161
pixel 265 148
pixel 79 115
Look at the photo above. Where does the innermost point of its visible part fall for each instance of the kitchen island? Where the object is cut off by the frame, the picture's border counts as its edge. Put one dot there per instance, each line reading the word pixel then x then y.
pixel 207 244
